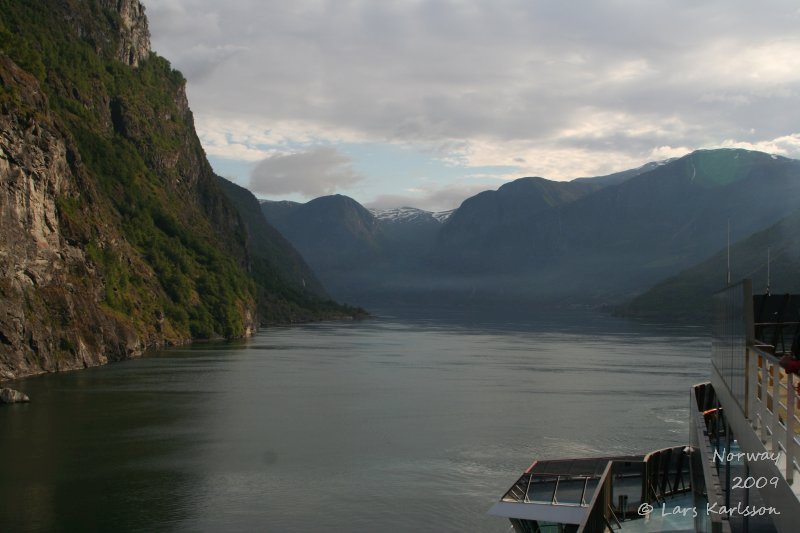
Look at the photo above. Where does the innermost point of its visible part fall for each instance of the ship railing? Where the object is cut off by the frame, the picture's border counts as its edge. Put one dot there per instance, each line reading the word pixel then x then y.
pixel 772 407
pixel 667 473
pixel 551 489
pixel 706 422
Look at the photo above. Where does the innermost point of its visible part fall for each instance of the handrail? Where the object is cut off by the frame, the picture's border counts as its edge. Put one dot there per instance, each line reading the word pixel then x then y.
pixel 772 407
pixel 703 429
pixel 670 477
pixel 521 489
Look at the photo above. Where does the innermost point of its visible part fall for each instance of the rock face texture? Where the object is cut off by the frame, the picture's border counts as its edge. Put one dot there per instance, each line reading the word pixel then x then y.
pixel 115 235
pixel 13 396
pixel 48 289
pixel 134 36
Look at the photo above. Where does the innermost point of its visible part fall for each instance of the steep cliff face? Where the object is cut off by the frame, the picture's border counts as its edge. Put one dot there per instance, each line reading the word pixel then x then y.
pixel 49 319
pixel 134 45
pixel 114 233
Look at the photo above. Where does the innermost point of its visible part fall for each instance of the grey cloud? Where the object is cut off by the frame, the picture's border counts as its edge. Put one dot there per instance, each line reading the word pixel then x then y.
pixel 200 61
pixel 508 70
pixel 182 21
pixel 317 172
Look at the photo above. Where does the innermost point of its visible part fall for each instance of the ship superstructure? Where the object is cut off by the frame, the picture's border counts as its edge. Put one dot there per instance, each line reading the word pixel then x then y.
pixel 740 468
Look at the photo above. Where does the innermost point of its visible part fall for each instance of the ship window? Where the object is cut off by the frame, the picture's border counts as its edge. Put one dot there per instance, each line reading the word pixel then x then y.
pixel 541 489
pixel 591 486
pixel 570 491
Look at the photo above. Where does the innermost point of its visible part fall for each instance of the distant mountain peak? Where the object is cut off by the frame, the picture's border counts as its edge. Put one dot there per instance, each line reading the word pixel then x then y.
pixel 719 167
pixel 737 152
pixel 397 213
pixel 619 177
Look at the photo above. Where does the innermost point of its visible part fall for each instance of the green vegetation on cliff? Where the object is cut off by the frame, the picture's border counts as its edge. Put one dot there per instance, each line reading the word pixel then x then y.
pixel 174 258
pixel 287 289
pixel 125 122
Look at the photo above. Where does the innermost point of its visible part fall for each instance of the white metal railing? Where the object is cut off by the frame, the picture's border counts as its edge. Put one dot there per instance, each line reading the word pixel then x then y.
pixel 521 491
pixel 772 407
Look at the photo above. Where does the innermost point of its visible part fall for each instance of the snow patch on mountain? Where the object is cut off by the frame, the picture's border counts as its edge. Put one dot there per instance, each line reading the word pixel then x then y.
pixel 409 214
pixel 441 216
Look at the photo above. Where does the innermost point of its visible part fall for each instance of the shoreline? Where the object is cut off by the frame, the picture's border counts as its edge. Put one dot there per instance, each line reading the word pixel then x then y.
pixel 5 380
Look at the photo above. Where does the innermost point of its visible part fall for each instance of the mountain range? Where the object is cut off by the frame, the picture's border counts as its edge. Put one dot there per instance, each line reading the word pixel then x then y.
pixel 770 258
pixel 591 241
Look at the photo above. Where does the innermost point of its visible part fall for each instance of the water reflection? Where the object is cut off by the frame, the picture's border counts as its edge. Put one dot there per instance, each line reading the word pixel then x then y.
pixel 415 424
pixel 90 453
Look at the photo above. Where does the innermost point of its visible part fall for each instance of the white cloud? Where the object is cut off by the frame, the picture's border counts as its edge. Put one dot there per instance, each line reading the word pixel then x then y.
pixel 255 139
pixel 787 145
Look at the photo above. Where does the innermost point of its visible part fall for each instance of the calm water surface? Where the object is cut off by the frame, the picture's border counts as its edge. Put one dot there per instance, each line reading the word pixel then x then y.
pixel 387 424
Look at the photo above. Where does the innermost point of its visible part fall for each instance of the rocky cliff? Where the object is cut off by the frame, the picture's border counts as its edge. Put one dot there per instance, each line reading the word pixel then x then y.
pixel 45 279
pixel 114 233
pixel 134 37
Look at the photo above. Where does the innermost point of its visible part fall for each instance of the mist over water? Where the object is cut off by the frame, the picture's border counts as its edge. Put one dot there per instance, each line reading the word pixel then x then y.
pixel 395 423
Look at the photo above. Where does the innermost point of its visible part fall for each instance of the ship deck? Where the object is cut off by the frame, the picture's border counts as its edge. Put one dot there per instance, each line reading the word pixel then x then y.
pixel 675 514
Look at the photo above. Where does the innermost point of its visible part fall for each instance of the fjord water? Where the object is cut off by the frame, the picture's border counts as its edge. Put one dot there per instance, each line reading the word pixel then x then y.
pixel 385 424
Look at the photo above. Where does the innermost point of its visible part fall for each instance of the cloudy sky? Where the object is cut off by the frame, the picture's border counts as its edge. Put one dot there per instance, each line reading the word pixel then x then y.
pixel 418 102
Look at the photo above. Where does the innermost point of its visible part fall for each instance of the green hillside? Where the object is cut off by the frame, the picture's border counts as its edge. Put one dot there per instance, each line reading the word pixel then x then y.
pixel 117 236
pixel 287 289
